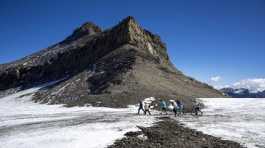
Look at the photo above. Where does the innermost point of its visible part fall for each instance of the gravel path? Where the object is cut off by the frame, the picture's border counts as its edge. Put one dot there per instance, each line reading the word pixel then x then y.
pixel 169 133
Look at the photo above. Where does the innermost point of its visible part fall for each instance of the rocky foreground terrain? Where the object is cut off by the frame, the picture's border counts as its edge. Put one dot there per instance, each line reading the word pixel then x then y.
pixel 115 67
pixel 169 133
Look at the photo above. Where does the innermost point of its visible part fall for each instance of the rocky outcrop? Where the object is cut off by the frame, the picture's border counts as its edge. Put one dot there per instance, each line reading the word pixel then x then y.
pixel 115 67
pixel 169 133
pixel 87 28
pixel 66 58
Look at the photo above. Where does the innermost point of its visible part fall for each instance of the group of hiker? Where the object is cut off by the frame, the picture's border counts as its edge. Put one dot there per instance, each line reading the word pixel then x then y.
pixel 175 106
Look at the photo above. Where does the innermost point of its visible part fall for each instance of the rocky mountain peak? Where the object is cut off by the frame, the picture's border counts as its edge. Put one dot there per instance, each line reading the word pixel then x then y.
pixel 90 28
pixel 128 31
pixel 85 46
pixel 87 28
pixel 116 67
pixel 129 20
pixel 130 24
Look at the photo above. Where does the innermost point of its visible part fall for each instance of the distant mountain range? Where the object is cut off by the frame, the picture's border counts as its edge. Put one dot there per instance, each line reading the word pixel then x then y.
pixel 242 93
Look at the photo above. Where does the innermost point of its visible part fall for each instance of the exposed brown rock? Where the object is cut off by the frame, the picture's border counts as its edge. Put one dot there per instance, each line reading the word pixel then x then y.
pixel 115 67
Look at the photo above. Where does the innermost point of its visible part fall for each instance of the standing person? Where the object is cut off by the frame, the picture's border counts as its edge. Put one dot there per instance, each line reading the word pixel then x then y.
pixel 141 107
pixel 175 107
pixel 197 109
pixel 180 107
pixel 147 108
pixel 163 106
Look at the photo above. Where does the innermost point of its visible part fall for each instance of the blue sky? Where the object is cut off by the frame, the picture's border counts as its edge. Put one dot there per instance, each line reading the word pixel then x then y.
pixel 205 38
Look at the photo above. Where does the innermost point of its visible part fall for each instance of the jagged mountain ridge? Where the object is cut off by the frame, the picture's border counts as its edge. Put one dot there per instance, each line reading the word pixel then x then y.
pixel 115 67
pixel 81 44
pixel 242 93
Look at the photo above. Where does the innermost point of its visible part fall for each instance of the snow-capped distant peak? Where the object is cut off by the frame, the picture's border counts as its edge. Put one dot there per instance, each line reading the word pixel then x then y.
pixel 253 85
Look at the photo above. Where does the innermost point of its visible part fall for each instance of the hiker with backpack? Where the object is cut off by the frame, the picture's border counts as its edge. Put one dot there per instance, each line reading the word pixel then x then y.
pixel 197 109
pixel 163 106
pixel 180 107
pixel 175 107
pixel 147 108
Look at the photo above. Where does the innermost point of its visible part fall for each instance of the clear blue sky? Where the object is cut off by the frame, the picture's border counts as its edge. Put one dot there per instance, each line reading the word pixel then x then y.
pixel 205 38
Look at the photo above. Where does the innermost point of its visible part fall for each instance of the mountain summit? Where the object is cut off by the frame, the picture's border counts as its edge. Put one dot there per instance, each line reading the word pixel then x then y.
pixel 115 67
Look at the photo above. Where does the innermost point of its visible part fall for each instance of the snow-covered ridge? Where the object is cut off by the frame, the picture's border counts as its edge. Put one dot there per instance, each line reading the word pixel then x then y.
pixel 25 124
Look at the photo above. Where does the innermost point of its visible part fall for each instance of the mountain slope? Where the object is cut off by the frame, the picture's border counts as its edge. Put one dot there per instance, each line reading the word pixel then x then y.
pixel 115 67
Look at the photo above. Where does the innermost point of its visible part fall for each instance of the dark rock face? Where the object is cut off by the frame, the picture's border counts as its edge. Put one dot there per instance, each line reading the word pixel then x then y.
pixel 242 93
pixel 115 67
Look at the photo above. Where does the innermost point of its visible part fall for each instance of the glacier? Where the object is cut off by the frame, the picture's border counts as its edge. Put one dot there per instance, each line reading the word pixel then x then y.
pixel 26 124
pixel 237 119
